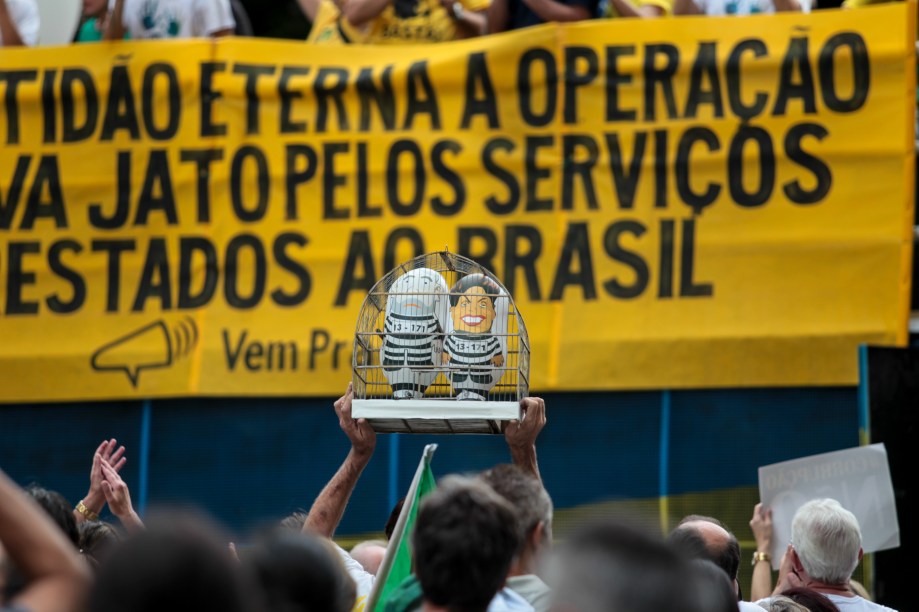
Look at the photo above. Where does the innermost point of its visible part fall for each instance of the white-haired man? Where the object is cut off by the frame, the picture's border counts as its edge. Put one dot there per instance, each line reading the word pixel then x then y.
pixel 826 547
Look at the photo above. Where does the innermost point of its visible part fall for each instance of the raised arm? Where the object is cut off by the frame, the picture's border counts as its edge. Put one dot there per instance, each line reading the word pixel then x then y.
pixel 521 435
pixel 310 8
pixel 330 505
pixel 761 525
pixel 57 577
pixel 786 6
pixel 118 498
pixel 552 11
pixel 114 29
pixel 686 7
pixel 498 17
pixel 469 24
pixel 624 8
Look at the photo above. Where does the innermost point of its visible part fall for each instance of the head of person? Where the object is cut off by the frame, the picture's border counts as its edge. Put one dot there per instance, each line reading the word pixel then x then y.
pixel 609 566
pixel 393 518
pixel 297 572
pixel 781 603
pixel 417 291
pixel 369 554
pixel 179 562
pixel 530 501
pixel 59 509
pixel 466 537
pixel 812 600
pixel 472 304
pixel 826 541
pixel 97 539
pixel 714 590
pixel 720 545
pixel 294 521
pixel 688 543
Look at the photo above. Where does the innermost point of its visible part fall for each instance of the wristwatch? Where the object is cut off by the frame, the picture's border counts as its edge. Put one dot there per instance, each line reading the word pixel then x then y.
pixel 760 556
pixel 458 10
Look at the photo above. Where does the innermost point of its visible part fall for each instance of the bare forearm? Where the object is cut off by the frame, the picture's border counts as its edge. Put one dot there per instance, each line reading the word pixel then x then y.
pixel 310 8
pixel 115 29
pixel 525 459
pixel 498 19
pixel 761 526
pixel 761 584
pixel 472 24
pixel 521 434
pixel 40 550
pixel 131 522
pixel 94 502
pixel 330 505
pixel 552 11
pixel 783 6
pixel 685 7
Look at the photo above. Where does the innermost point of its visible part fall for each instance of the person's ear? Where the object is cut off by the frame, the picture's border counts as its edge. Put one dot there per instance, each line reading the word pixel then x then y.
pixel 861 553
pixel 537 534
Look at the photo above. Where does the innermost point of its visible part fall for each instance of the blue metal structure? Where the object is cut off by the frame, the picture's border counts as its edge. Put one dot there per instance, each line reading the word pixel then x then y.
pixel 251 461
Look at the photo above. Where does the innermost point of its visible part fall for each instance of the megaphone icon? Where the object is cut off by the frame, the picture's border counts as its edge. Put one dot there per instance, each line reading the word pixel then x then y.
pixel 148 348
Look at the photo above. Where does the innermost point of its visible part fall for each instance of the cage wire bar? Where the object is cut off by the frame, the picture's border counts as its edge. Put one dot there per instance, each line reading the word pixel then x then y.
pixel 424 362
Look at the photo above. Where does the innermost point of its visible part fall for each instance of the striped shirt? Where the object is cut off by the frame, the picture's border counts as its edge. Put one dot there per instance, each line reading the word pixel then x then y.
pixel 472 354
pixel 409 340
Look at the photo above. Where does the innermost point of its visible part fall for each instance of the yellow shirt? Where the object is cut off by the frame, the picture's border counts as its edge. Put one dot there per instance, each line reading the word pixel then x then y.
pixel 326 28
pixel 410 22
pixel 861 3
pixel 664 5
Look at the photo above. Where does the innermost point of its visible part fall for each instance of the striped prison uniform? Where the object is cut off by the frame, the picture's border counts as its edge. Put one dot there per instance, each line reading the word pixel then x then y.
pixel 471 368
pixel 409 342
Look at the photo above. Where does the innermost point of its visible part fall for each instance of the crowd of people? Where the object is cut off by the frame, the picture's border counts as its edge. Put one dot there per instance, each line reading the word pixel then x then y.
pixel 481 542
pixel 364 21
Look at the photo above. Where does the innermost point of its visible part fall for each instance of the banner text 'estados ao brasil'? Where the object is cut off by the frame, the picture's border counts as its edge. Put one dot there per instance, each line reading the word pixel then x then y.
pixel 674 203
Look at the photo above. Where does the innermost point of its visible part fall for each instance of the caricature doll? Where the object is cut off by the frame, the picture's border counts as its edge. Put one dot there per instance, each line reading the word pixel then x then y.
pixel 413 332
pixel 472 351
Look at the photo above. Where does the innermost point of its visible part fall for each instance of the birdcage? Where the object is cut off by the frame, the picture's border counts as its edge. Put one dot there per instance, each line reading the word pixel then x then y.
pixel 440 347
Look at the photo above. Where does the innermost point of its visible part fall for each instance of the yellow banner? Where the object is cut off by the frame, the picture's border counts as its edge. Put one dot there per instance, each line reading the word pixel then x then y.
pixel 675 203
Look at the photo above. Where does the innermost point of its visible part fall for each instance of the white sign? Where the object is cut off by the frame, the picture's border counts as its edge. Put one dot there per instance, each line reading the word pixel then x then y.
pixel 858 478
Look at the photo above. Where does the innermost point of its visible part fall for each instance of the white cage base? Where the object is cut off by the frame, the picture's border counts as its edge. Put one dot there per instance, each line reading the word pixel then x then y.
pixel 444 416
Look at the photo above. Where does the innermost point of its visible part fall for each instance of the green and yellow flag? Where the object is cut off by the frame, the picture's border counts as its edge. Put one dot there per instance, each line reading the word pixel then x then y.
pixel 397 563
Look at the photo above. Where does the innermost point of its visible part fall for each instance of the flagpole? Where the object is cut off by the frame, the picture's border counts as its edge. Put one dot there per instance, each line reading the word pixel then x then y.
pixel 393 547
